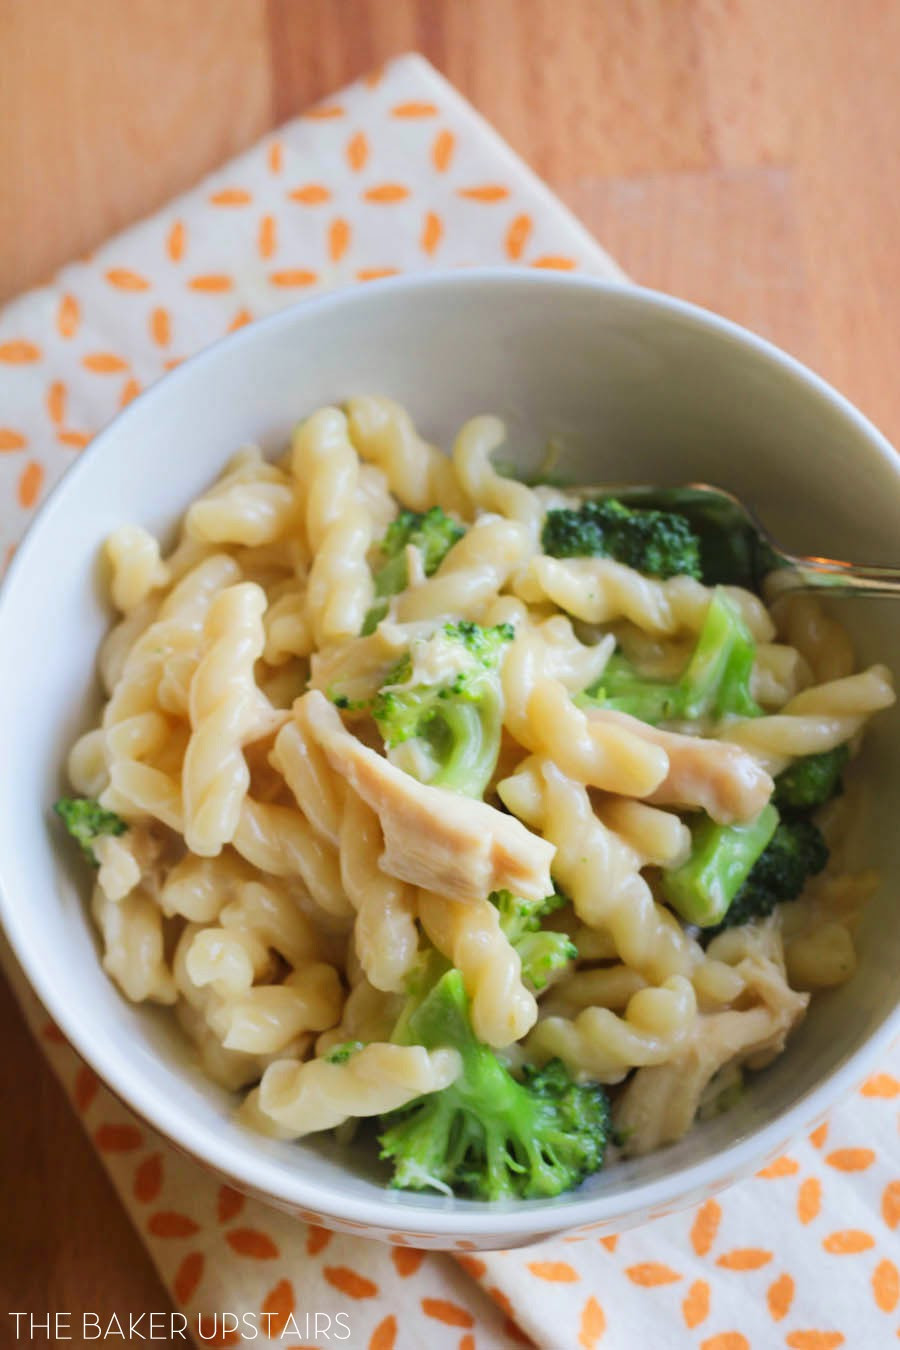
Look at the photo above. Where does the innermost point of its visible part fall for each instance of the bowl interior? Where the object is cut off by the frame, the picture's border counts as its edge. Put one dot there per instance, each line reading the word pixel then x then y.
pixel 637 388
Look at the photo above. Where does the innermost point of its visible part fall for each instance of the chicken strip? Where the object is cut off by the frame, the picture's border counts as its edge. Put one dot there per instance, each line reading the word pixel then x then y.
pixel 721 779
pixel 433 838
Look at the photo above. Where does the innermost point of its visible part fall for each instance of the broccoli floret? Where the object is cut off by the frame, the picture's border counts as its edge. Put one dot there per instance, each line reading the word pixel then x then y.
pixel 86 820
pixel 811 781
pixel 432 532
pixel 542 951
pixel 489 1135
pixel 722 857
pixel 715 682
pixel 796 852
pixel 736 873
pixel 441 709
pixel 657 543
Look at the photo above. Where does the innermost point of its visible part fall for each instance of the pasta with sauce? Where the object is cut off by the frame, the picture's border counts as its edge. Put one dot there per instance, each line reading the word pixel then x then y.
pixel 394 742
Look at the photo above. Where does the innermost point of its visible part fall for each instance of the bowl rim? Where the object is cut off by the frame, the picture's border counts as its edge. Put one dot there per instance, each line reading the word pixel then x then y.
pixel 268 1177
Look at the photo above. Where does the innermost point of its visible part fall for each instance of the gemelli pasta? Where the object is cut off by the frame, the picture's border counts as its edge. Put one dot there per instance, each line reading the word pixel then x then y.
pixel 465 806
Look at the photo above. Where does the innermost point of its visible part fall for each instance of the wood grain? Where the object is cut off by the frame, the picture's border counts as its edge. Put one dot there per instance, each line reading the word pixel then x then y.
pixel 742 153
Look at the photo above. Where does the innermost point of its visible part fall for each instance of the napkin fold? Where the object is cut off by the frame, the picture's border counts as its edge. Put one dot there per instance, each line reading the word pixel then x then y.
pixel 398 173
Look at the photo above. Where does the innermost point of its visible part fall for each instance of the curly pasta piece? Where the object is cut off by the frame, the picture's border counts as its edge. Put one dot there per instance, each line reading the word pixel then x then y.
pixel 303 1098
pixel 779 673
pixel 385 934
pixel 600 1045
pixel 134 945
pixel 268 1017
pixel 660 837
pixel 213 971
pixel 226 963
pixel 288 627
pixel 604 987
pixel 660 1102
pixel 231 1069
pixel 484 486
pixel 417 473
pixel 601 753
pixel 543 665
pixel 137 568
pixel 135 728
pixel 252 504
pixel 545 650
pixel 298 756
pixel 279 840
pixel 822 642
pixel 224 708
pixel 600 872
pixel 369 1014
pixel 338 526
pixel 470 576
pixel 119 870
pixel 197 888
pixel 468 933
pixel 271 914
pixel 325 467
pixel 814 720
pixel 86 765
pixel 598 590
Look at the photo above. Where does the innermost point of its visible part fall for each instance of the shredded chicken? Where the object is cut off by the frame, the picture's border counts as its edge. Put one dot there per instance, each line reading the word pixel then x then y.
pixel 660 1102
pixel 433 838
pixel 722 780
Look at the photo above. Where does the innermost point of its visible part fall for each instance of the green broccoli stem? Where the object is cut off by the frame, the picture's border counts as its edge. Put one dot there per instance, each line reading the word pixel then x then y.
pixel 466 739
pixel 717 678
pixel 392 577
pixel 722 857
pixel 621 688
pixel 390 580
pixel 715 682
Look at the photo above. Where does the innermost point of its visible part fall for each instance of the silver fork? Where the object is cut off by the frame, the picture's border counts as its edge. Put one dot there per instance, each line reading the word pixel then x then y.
pixel 744 550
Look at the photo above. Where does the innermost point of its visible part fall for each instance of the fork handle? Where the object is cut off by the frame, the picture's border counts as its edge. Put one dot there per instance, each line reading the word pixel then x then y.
pixel 831 575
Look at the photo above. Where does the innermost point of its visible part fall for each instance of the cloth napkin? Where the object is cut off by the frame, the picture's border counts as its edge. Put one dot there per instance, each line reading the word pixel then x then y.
pixel 398 173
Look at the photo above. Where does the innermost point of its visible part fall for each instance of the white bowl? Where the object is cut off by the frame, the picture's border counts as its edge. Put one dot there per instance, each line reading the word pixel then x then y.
pixel 639 387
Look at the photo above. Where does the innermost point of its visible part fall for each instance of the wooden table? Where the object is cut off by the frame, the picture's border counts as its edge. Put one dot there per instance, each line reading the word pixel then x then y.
pixel 744 154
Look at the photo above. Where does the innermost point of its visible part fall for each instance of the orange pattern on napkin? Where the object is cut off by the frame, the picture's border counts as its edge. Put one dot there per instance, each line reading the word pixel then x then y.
pixel 398 174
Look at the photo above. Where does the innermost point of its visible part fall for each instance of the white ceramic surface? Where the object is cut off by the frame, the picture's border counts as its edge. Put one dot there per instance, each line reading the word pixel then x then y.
pixel 638 387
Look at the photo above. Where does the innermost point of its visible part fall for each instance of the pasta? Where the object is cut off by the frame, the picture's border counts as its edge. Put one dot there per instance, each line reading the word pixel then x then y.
pixel 338 526
pixel 471 938
pixel 224 710
pixel 393 800
pixel 598 590
pixel 604 1046
pixel 302 1098
pixel 601 871
pixel 816 719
